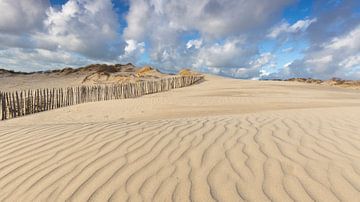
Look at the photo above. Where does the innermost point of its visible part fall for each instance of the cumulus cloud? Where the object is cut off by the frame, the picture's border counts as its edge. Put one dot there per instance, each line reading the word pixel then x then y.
pixel 264 59
pixel 225 30
pixel 232 53
pixel 194 43
pixel 352 61
pixel 84 26
pixel 334 58
pixel 254 68
pixel 219 36
pixel 285 28
pixel 133 46
pixel 216 18
pixel 334 44
pixel 40 59
pixel 133 51
pixel 17 17
pixel 86 29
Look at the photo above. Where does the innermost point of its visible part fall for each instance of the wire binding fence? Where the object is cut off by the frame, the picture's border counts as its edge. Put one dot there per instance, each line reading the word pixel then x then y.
pixel 21 103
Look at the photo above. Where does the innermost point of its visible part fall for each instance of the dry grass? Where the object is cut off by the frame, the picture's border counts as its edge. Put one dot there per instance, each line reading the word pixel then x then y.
pixel 185 72
pixel 146 70
pixel 331 82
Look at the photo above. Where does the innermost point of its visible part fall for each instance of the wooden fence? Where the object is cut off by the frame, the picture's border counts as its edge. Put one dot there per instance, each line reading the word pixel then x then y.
pixel 21 103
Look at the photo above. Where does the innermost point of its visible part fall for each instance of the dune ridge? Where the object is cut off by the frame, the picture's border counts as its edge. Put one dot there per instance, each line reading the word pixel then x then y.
pixel 94 74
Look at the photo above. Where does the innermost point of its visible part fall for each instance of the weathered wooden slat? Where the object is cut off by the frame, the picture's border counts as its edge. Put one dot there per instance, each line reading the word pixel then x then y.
pixel 3 107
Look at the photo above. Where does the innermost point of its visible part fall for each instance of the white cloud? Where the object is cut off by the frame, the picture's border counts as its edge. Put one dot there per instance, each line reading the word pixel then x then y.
pixel 301 25
pixel 40 59
pixel 264 73
pixel 194 43
pixel 133 51
pixel 210 17
pixel 133 45
pixel 287 50
pixel 320 60
pixel 286 28
pixel 335 57
pixel 83 26
pixel 263 60
pixel 349 42
pixel 218 25
pixel 225 32
pixel 19 16
pixel 232 53
pixel 87 29
pixel 351 61
pixel 287 65
pixel 138 19
pixel 225 35
pixel 254 69
pixel 211 70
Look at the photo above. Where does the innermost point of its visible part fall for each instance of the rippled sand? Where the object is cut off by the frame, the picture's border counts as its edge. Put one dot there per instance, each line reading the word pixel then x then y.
pixel 221 140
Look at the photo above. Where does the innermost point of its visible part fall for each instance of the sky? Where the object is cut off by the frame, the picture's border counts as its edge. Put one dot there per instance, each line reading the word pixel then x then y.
pixel 248 39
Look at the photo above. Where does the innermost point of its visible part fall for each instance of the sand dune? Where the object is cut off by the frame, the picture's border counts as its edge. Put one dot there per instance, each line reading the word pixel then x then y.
pixel 95 74
pixel 221 140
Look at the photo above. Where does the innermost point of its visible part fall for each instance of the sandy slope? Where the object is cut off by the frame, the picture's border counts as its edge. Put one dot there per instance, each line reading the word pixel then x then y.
pixel 221 140
pixel 35 81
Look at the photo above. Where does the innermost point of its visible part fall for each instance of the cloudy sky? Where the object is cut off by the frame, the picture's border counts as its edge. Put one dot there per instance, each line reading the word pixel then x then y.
pixel 240 38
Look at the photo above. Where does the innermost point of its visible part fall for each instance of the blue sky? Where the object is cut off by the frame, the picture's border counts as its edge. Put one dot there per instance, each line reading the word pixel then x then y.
pixel 251 39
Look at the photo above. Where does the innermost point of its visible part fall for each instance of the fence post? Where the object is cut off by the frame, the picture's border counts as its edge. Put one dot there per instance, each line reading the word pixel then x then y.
pixel 2 101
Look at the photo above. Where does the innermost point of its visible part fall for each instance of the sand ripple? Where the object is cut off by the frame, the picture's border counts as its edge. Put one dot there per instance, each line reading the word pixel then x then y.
pixel 279 156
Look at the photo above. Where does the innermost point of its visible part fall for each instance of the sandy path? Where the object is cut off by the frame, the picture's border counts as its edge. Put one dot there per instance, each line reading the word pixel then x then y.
pixel 299 144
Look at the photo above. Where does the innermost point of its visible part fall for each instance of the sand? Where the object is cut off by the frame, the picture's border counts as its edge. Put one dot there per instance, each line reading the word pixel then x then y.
pixel 36 81
pixel 220 140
